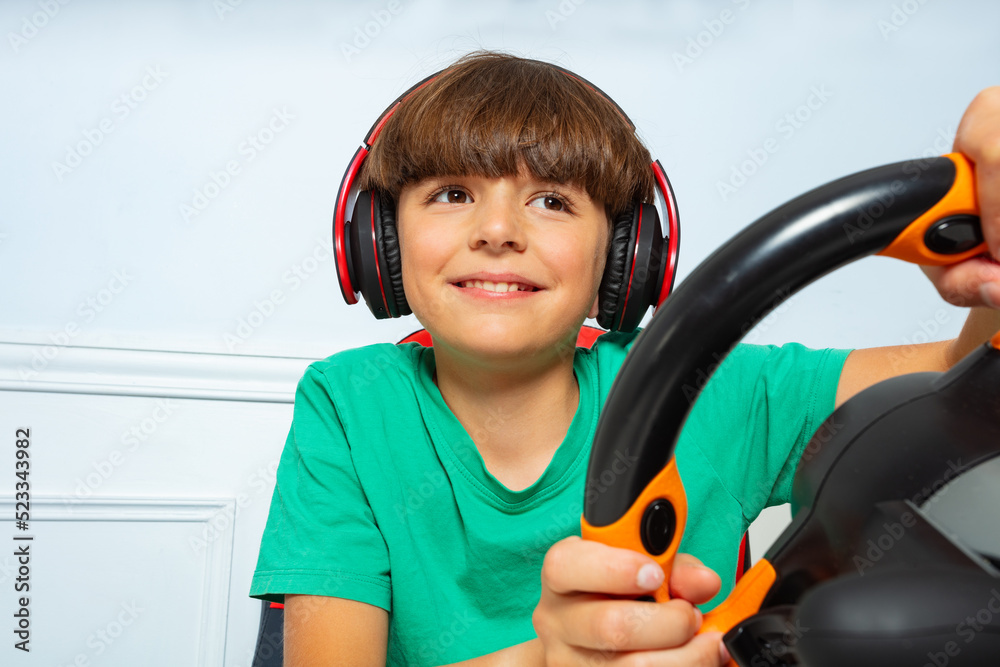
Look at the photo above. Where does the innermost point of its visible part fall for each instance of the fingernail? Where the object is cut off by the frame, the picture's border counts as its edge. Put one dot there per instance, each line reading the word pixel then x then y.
pixel 990 293
pixel 698 619
pixel 650 576
pixel 723 653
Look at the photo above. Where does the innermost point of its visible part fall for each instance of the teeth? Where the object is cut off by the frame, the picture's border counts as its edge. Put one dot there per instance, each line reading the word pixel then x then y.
pixel 497 287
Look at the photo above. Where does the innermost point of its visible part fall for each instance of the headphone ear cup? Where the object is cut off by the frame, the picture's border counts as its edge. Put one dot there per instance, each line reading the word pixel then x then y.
pixel 632 276
pixel 390 252
pixel 368 256
pixel 611 292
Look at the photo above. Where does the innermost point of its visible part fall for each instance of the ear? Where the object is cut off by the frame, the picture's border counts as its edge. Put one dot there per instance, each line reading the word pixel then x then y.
pixel 594 309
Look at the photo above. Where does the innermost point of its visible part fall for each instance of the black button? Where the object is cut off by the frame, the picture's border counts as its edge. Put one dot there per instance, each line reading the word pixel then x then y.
pixel 659 522
pixel 954 234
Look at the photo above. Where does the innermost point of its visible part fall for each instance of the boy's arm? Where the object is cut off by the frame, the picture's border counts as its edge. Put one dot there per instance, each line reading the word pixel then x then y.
pixel 321 631
pixel 864 368
pixel 974 282
pixel 527 654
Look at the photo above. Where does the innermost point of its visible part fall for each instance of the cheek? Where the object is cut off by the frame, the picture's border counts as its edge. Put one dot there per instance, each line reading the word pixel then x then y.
pixel 407 244
pixel 410 252
pixel 422 255
pixel 581 260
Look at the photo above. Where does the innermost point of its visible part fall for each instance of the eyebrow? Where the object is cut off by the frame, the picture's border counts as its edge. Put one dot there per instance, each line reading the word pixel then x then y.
pixel 578 192
pixel 574 189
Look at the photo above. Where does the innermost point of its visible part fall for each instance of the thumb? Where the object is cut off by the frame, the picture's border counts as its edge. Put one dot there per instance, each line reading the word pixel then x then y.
pixel 710 649
pixel 692 581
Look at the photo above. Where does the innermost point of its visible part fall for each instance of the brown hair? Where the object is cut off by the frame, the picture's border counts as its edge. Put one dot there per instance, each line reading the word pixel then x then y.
pixel 491 114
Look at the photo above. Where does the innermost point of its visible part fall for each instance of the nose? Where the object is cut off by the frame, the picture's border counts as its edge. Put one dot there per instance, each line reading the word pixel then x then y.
pixel 498 223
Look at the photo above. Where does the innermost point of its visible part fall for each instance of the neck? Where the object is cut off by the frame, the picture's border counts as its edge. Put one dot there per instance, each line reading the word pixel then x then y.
pixel 517 412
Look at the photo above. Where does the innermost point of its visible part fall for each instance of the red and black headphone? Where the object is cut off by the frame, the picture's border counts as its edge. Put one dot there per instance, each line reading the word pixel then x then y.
pixel 636 275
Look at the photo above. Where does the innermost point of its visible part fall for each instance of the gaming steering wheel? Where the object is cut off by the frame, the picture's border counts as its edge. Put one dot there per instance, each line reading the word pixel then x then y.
pixel 897 438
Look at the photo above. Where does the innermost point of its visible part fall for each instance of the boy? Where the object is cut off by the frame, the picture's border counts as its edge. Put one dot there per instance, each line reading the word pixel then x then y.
pixel 447 489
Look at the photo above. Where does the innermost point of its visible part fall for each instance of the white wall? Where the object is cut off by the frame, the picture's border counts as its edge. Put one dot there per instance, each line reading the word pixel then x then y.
pixel 161 96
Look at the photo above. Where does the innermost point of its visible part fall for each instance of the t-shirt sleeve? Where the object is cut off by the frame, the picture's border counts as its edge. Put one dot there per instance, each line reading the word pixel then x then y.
pixel 321 537
pixel 766 402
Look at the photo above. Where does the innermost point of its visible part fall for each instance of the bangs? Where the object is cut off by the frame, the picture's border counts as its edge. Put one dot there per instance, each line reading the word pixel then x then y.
pixel 494 115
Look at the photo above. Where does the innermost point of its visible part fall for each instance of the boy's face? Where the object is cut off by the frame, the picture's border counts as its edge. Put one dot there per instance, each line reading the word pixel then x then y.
pixel 549 238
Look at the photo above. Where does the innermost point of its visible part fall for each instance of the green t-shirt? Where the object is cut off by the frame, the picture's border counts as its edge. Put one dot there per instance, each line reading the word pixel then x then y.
pixel 382 496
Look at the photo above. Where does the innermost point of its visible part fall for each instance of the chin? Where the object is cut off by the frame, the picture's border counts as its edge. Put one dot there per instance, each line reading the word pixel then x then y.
pixel 503 340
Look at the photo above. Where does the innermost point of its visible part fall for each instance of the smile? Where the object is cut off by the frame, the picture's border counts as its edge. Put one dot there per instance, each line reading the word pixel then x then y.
pixel 497 287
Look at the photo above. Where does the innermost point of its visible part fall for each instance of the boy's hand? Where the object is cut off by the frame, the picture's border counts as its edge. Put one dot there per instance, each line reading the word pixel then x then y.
pixel 582 620
pixel 976 281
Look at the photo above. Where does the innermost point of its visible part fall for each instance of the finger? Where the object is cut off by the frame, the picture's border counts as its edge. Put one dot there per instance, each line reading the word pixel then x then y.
pixel 990 293
pixel 978 137
pixel 692 581
pixel 963 284
pixel 576 565
pixel 702 651
pixel 988 195
pixel 595 622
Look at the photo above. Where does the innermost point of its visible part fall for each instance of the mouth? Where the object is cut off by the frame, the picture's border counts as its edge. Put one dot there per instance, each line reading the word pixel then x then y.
pixel 500 287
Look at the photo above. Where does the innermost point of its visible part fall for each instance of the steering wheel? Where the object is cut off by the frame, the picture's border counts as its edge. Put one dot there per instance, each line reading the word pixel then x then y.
pixel 898 437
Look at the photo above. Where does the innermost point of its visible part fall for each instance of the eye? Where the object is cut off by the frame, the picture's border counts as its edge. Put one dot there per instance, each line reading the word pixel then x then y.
pixel 451 195
pixel 550 201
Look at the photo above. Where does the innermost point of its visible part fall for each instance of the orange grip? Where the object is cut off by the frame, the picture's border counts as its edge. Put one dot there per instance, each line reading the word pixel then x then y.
pixel 995 341
pixel 743 602
pixel 626 531
pixel 909 246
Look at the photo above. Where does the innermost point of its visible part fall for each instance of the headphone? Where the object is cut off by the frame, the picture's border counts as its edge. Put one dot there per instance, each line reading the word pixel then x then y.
pixel 636 274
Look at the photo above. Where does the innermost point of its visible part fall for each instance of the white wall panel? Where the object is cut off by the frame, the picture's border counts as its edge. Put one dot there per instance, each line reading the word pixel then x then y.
pixel 116 579
pixel 151 474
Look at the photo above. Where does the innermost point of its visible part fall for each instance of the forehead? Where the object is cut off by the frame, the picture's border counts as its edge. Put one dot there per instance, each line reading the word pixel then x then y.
pixel 501 123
